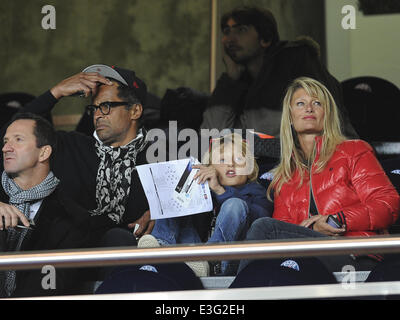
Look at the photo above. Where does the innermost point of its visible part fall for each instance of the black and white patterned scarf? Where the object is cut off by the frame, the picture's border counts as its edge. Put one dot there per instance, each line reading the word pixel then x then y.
pixel 113 181
pixel 22 200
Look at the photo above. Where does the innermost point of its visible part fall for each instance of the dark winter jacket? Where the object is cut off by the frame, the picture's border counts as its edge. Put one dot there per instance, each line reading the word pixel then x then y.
pixel 352 186
pixel 255 196
pixel 59 224
pixel 76 163
pixel 247 104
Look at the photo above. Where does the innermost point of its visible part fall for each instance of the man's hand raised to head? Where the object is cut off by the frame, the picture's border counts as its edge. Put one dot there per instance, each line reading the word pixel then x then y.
pixel 85 82
pixel 233 69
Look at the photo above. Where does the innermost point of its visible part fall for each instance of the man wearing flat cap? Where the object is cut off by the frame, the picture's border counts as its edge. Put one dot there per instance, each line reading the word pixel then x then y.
pixel 99 171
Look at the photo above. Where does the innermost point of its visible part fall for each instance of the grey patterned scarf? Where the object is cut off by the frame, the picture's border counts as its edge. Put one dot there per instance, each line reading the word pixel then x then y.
pixel 113 181
pixel 22 200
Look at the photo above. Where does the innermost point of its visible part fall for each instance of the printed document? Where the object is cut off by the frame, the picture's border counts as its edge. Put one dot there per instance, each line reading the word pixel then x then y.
pixel 171 190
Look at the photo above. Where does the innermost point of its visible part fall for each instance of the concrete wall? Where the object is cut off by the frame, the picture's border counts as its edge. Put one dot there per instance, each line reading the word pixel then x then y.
pixel 372 49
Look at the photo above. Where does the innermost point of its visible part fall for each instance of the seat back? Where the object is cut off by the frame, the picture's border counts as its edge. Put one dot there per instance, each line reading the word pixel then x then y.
pixel 10 103
pixel 373 105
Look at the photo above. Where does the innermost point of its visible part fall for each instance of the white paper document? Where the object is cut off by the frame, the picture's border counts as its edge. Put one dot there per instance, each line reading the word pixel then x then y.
pixel 171 190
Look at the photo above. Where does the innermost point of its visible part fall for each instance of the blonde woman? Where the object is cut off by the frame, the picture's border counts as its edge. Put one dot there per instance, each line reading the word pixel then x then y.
pixel 324 185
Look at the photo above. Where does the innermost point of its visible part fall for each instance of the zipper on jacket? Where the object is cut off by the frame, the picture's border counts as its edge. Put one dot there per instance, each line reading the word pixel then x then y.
pixel 309 201
pixel 315 152
pixel 310 191
pixel 311 195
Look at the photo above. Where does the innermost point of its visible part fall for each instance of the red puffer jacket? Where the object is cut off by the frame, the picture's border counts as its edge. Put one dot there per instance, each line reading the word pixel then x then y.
pixel 353 185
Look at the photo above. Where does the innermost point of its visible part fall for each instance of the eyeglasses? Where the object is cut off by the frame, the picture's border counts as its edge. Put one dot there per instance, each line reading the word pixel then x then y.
pixel 105 107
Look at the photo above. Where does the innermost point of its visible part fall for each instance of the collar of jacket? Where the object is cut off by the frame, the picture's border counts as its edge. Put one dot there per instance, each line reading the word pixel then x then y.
pixel 140 133
pixel 273 50
pixel 318 145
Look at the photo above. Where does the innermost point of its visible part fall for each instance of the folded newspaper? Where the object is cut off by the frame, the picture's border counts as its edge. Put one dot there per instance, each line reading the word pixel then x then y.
pixel 171 190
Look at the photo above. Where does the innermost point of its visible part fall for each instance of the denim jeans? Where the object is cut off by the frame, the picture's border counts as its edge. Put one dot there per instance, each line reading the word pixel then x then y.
pixel 272 229
pixel 175 230
pixel 231 225
pixel 232 221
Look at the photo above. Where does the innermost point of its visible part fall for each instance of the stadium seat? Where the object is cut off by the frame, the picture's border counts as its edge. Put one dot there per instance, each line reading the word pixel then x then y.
pixel 373 105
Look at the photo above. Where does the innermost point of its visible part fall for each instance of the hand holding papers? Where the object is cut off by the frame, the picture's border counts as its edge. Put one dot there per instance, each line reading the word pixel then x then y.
pixel 171 190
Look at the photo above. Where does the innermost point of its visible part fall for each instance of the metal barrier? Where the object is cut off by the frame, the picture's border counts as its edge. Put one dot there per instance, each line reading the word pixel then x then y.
pixel 232 251
pixel 324 291
pixel 183 253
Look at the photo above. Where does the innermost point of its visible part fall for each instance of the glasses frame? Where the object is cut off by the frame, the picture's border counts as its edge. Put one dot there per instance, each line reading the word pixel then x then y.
pixel 105 107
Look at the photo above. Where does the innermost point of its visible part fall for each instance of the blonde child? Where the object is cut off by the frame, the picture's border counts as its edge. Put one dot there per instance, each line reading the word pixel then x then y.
pixel 231 172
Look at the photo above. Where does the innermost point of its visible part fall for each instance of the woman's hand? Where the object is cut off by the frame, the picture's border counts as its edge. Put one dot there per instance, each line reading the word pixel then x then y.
pixel 308 222
pixel 208 174
pixel 321 226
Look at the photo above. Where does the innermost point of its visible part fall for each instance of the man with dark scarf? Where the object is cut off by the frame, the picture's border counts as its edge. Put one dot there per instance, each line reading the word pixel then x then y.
pixel 34 213
pixel 99 171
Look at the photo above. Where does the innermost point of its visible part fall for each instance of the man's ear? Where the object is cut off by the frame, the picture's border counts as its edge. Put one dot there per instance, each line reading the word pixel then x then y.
pixel 264 43
pixel 136 111
pixel 45 153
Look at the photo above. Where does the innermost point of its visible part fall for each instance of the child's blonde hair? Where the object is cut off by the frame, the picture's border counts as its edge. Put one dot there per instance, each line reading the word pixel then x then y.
pixel 233 139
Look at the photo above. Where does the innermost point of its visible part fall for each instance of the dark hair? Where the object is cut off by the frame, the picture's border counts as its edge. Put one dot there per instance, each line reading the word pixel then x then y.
pixel 262 19
pixel 44 131
pixel 127 94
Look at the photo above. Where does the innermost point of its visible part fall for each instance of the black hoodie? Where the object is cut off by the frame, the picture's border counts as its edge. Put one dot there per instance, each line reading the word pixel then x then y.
pixel 248 104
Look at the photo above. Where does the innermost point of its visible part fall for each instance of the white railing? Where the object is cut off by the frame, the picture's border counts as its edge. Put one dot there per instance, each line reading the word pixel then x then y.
pixel 182 253
pixel 232 251
pixel 323 291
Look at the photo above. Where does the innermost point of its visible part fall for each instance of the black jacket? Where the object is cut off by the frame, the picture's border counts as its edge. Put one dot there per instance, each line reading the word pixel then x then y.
pixel 75 163
pixel 247 104
pixel 59 224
